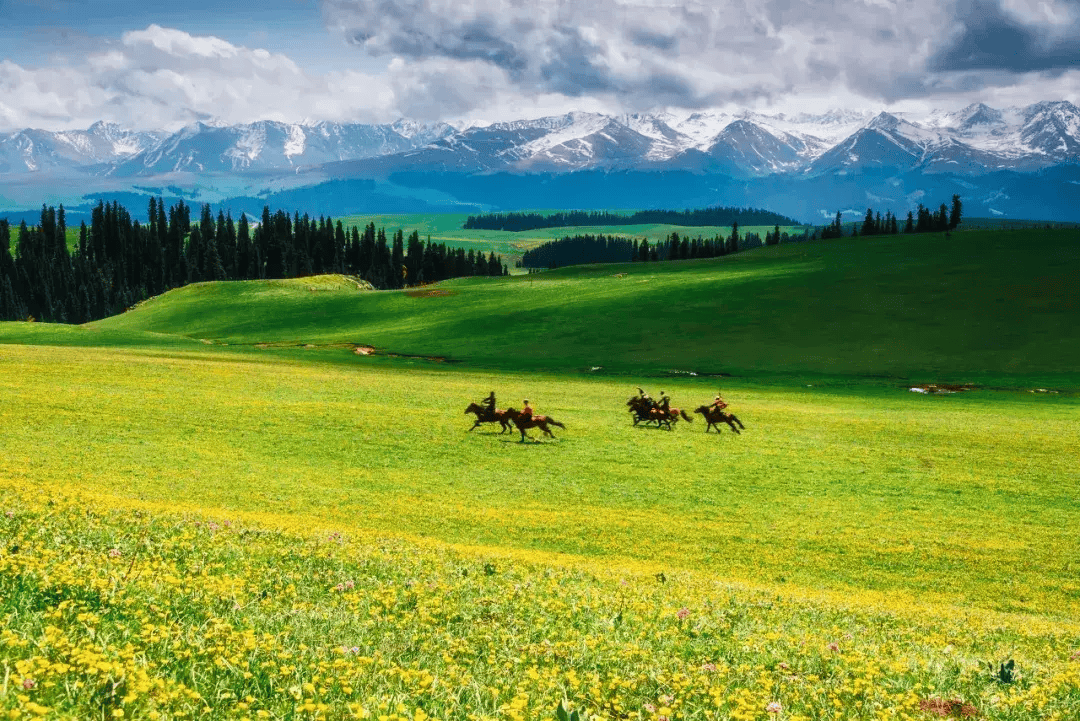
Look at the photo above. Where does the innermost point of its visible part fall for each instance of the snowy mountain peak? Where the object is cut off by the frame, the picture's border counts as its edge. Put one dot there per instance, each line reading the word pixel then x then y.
pixel 977 139
pixel 885 122
pixel 980 114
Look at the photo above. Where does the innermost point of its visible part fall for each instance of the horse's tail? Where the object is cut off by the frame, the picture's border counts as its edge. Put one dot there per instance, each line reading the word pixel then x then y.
pixel 686 417
pixel 736 419
pixel 554 422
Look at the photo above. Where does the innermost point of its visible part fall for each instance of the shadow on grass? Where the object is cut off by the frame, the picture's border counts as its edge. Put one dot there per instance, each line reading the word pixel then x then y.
pixel 530 441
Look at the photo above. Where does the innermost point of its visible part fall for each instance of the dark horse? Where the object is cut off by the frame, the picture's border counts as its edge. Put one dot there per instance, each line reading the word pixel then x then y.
pixel 644 411
pixel 524 422
pixel 716 415
pixel 483 415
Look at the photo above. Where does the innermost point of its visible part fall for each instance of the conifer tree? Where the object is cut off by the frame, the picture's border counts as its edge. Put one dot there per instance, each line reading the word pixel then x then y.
pixel 414 259
pixel 397 259
pixel 340 241
pixel 955 214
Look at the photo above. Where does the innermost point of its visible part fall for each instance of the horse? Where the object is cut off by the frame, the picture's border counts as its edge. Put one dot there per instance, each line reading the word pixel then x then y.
pixel 525 422
pixel 644 411
pixel 483 415
pixel 641 409
pixel 670 417
pixel 716 415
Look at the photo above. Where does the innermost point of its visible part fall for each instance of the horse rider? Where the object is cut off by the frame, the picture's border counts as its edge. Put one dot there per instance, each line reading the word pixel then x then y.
pixel 648 402
pixel 718 403
pixel 665 403
pixel 526 410
pixel 489 403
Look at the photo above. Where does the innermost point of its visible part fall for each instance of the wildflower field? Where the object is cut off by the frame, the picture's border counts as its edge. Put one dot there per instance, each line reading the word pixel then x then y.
pixel 211 507
pixel 233 535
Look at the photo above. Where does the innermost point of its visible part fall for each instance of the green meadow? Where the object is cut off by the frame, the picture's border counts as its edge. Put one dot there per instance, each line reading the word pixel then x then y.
pixel 447 228
pixel 992 308
pixel 216 497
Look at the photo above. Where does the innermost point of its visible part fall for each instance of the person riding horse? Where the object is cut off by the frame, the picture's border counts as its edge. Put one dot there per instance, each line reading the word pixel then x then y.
pixel 526 418
pixel 664 404
pixel 647 400
pixel 489 402
pixel 714 414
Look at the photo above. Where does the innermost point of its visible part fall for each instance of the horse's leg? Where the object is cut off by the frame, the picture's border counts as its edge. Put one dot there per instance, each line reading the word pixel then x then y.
pixel 474 425
pixel 738 421
pixel 733 428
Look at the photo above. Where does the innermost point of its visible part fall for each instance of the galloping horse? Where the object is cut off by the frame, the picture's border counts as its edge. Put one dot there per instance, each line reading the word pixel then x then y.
pixel 644 412
pixel 640 408
pixel 485 416
pixel 525 422
pixel 715 415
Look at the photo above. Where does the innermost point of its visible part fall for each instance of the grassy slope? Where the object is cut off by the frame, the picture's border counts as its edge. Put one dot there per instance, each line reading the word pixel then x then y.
pixel 981 306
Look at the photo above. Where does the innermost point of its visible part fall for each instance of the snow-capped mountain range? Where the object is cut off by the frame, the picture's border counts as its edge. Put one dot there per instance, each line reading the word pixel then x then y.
pixel 973 141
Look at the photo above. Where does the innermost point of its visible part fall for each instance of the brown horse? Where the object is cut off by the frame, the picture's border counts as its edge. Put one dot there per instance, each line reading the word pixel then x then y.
pixel 644 411
pixel 716 415
pixel 524 422
pixel 483 415
pixel 640 408
pixel 672 416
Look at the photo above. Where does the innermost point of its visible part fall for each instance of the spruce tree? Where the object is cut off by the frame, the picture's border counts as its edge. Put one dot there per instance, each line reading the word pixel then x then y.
pixel 955 215
pixel 397 260
pixel 340 241
pixel 868 223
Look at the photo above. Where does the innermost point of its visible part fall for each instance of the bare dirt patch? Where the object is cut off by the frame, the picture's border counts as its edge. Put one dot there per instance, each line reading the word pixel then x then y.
pixel 941 388
pixel 429 292
pixel 952 708
pixel 360 349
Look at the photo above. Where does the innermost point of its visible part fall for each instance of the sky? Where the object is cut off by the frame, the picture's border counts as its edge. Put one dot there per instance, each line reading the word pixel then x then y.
pixel 146 64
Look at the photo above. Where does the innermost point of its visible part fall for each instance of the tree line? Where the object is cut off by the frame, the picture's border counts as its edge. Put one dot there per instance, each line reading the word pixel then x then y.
pixel 582 249
pixel 118 262
pixel 701 217
pixel 921 220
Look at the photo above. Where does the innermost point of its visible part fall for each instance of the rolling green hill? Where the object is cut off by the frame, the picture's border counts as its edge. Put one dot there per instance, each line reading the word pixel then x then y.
pixel 977 306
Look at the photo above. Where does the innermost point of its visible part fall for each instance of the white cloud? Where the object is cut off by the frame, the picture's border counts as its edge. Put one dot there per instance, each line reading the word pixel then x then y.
pixel 494 60
pixel 640 54
pixel 164 78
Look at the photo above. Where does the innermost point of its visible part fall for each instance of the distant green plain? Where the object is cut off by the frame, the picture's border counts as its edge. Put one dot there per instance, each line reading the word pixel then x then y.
pixel 447 228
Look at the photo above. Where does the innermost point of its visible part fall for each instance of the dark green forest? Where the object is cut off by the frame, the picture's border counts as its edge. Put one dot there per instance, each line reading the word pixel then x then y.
pixel 515 222
pixel 119 262
pixel 580 249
